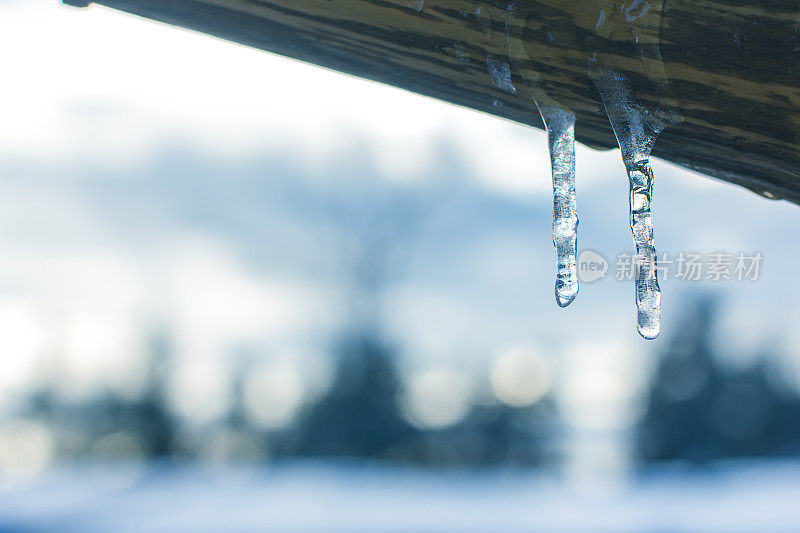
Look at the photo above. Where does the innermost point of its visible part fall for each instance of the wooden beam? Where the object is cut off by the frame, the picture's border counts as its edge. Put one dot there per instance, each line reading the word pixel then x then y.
pixel 727 71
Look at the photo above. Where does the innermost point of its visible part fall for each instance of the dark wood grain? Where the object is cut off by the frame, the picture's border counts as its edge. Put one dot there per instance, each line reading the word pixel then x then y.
pixel 728 70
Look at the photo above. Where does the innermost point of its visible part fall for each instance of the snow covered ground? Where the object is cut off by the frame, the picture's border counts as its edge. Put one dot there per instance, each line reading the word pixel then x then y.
pixel 315 497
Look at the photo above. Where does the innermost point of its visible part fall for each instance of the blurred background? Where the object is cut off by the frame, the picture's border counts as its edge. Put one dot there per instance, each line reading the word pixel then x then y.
pixel 241 293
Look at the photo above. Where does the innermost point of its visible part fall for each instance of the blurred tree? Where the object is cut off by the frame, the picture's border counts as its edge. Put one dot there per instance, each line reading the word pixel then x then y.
pixel 109 425
pixel 359 415
pixel 700 409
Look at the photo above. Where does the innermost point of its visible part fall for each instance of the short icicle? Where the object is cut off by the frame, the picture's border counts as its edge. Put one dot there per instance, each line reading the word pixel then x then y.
pixel 560 126
pixel 636 130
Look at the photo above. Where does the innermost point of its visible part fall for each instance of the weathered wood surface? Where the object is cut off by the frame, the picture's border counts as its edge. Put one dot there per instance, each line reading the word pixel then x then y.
pixel 729 70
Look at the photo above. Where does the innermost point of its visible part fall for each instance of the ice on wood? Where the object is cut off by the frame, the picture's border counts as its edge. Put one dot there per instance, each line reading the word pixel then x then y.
pixel 500 74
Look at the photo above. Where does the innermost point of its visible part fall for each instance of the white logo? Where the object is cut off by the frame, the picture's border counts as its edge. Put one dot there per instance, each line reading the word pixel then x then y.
pixel 591 266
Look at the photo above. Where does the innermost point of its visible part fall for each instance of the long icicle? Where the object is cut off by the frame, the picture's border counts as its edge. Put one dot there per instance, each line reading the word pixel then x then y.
pixel 648 293
pixel 636 130
pixel 561 142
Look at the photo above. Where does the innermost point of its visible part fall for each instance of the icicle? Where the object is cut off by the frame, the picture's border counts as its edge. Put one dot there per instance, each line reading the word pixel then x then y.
pixel 561 140
pixel 560 126
pixel 636 130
